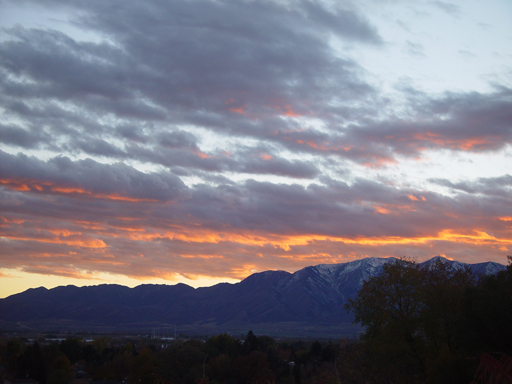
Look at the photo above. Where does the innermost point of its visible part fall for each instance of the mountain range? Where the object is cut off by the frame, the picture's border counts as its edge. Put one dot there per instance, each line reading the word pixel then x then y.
pixel 314 295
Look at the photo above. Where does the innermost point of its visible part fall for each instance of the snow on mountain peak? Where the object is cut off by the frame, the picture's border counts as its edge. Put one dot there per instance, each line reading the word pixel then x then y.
pixel 327 269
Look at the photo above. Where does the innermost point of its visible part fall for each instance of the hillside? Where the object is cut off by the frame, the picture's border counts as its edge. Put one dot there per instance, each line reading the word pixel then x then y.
pixel 314 295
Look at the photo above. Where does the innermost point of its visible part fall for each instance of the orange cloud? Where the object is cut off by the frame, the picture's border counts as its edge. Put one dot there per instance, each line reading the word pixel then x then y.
pixel 85 234
pixel 292 250
pixel 387 209
pixel 381 162
pixel 4 221
pixel 89 225
pixel 203 155
pixel 240 110
pixel 266 156
pixel 244 271
pixel 61 271
pixel 473 143
pixel 34 186
pixel 74 241
pixel 69 190
pixel 464 144
pixel 414 198
pixel 287 111
pixel 286 243
pixel 236 107
pixel 21 187
pixel 379 209
pixel 119 238
pixel 64 232
pixel 198 256
pixel 5 275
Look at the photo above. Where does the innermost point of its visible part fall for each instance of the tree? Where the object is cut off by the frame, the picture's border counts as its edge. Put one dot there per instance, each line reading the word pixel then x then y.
pixel 31 363
pixel 250 343
pixel 487 314
pixel 72 348
pixel 441 294
pixel 253 369
pixel 61 371
pixel 389 302
pixel 412 317
pixel 182 363
pixel 222 344
pixel 142 368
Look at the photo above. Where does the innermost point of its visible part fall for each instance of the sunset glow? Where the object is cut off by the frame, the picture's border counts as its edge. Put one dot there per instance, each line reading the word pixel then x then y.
pixel 247 136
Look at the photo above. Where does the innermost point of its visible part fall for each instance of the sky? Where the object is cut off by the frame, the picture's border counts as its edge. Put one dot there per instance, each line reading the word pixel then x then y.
pixel 201 141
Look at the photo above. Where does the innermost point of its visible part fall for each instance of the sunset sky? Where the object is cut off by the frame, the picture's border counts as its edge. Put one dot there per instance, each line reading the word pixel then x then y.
pixel 200 141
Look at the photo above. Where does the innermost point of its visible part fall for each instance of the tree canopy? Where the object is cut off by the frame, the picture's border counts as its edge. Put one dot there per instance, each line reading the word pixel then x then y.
pixel 429 324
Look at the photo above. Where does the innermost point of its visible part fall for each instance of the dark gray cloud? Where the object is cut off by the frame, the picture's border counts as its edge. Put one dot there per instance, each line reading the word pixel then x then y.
pixel 87 177
pixel 471 122
pixel 17 136
pixel 232 68
pixel 204 63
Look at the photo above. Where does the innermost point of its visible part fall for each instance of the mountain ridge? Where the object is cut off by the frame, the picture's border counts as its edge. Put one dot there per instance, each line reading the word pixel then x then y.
pixel 312 295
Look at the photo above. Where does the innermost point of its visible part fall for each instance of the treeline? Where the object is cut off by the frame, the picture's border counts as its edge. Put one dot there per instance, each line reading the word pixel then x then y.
pixel 431 324
pixel 220 359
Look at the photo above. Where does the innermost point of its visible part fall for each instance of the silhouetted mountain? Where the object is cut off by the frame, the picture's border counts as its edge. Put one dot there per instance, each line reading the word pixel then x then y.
pixel 313 295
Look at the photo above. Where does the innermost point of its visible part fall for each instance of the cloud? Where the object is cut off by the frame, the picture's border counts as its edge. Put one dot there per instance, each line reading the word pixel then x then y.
pixel 86 178
pixel 415 49
pixel 219 137
pixel 459 122
pixel 159 74
pixel 449 8
pixel 15 135
pixel 193 70
pixel 491 187
pixel 111 218
pixel 345 23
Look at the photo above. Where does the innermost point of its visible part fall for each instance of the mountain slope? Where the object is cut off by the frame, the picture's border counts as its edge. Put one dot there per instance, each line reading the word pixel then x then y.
pixel 313 295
